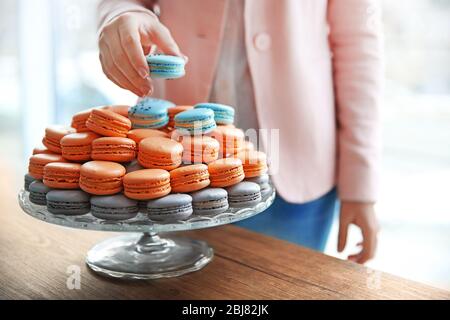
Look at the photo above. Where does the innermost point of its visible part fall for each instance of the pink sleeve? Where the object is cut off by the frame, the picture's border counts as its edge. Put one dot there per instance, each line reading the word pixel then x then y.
pixel 109 9
pixel 356 44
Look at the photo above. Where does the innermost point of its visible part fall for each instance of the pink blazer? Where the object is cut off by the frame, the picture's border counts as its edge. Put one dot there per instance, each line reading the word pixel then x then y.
pixel 316 67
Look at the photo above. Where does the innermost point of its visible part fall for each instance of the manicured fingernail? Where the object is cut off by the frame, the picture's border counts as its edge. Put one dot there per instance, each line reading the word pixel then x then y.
pixel 186 59
pixel 143 73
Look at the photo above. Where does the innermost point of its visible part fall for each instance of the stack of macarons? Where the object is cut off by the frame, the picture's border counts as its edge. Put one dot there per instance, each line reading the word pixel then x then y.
pixel 166 161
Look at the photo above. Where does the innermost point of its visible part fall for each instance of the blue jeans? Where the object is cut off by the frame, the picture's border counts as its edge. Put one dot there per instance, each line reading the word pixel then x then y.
pixel 307 224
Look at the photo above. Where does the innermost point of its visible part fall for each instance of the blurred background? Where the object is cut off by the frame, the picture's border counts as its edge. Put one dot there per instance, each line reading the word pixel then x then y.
pixel 49 69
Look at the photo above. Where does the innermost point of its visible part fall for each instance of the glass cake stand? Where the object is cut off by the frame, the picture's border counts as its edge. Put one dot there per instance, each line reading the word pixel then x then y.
pixel 142 253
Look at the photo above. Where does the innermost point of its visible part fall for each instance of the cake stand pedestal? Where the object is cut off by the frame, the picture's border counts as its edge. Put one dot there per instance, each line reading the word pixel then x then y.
pixel 142 253
pixel 147 256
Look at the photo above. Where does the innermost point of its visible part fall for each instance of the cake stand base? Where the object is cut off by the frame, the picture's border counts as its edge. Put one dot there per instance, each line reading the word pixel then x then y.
pixel 147 256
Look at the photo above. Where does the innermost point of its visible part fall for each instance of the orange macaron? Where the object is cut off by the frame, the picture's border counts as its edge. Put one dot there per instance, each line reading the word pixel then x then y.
pixel 253 162
pixel 77 146
pixel 140 134
pixel 199 149
pixel 39 150
pixel 79 120
pixel 108 123
pixel 113 149
pixel 147 184
pixel 226 172
pixel 120 109
pixel 101 177
pixel 62 175
pixel 38 162
pixel 189 178
pixel 173 111
pixel 53 136
pixel 160 153
pixel 231 139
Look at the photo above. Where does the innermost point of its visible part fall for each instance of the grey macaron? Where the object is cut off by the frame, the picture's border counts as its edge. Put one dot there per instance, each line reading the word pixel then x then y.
pixel 142 204
pixel 266 191
pixel 210 201
pixel 244 194
pixel 115 207
pixel 133 166
pixel 68 202
pixel 27 181
pixel 263 182
pixel 262 179
pixel 170 208
pixel 38 191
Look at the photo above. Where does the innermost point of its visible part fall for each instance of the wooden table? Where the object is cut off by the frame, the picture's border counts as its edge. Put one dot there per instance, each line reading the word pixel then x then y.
pixel 34 257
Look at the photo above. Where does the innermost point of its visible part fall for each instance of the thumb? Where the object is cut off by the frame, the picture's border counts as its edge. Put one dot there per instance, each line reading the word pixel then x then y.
pixel 164 40
pixel 343 231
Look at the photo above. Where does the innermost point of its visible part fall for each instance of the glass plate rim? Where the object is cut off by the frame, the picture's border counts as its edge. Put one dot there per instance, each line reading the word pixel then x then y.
pixel 141 223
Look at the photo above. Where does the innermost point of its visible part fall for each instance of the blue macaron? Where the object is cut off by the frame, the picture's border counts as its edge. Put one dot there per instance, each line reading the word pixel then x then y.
pixel 68 202
pixel 244 194
pixel 210 201
pixel 223 114
pixel 116 207
pixel 195 121
pixel 38 192
pixel 150 113
pixel 170 208
pixel 166 67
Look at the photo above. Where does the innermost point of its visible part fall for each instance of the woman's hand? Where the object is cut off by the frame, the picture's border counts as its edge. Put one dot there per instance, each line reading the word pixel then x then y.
pixel 362 215
pixel 125 41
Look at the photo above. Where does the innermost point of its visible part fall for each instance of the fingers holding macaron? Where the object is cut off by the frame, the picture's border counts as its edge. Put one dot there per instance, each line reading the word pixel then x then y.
pixel 124 43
